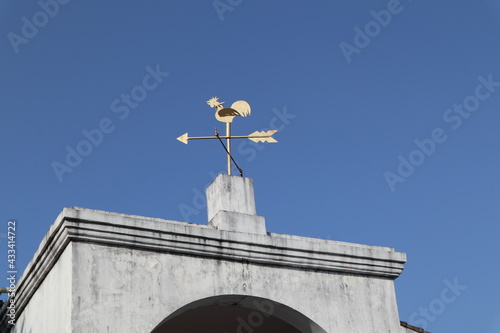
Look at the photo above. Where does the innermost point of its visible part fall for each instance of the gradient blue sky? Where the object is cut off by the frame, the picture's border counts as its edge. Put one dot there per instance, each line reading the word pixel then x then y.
pixel 348 123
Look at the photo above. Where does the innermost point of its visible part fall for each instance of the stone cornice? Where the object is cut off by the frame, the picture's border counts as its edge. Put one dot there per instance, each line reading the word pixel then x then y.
pixel 152 234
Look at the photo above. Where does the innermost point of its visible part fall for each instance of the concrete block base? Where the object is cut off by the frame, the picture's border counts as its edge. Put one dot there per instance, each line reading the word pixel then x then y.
pixel 231 205
pixel 231 221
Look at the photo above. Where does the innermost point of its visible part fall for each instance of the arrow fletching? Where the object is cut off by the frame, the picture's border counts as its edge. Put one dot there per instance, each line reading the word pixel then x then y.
pixel 263 136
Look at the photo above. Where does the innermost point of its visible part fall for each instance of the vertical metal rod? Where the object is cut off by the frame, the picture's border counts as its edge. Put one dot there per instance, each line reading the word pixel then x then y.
pixel 227 152
pixel 228 141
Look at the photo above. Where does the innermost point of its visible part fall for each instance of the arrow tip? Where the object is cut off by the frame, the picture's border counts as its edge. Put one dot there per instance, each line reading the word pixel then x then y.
pixel 183 138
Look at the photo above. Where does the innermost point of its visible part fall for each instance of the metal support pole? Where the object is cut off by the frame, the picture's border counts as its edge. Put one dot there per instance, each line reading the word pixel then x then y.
pixel 228 142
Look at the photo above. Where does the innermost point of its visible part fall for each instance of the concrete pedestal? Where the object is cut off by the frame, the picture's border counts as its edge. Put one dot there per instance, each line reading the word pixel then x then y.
pixel 231 205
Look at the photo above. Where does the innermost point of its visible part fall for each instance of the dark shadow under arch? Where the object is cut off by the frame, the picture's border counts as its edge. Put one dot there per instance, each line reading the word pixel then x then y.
pixel 237 314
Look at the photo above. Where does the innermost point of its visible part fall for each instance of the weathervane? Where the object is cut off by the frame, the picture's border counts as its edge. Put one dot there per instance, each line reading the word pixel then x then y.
pixel 226 115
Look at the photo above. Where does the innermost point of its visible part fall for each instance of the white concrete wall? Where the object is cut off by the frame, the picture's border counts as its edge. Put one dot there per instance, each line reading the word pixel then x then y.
pixel 49 309
pixel 123 290
pixel 105 272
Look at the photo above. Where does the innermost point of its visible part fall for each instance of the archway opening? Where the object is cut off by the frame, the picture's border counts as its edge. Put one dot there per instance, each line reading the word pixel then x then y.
pixel 238 314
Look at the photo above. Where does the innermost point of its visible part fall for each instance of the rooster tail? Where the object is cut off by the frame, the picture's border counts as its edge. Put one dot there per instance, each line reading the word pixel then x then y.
pixel 242 107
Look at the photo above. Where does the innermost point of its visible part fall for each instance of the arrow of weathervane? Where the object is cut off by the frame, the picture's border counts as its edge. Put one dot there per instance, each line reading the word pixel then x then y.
pixel 257 136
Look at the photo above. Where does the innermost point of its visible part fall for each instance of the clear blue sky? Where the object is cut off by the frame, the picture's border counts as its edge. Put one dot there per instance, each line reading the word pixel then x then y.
pixel 388 115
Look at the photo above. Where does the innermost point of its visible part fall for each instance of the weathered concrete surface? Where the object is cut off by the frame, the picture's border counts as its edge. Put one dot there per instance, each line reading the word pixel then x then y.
pixel 231 221
pixel 231 205
pixel 97 271
pixel 232 194
pixel 338 303
pixel 49 308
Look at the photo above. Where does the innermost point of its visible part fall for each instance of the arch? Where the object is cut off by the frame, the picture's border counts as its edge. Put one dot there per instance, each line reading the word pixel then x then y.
pixel 238 314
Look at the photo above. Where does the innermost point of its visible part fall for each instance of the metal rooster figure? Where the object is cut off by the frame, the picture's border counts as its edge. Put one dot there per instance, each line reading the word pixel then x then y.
pixel 226 115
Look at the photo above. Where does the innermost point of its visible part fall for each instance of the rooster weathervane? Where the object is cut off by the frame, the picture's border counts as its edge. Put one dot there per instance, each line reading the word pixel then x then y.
pixel 226 115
